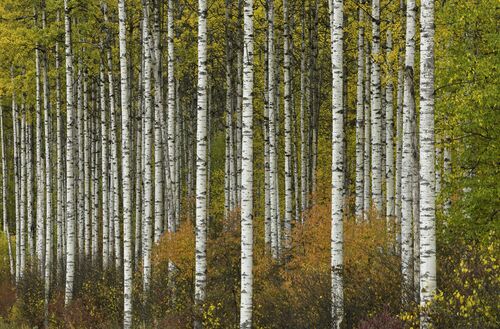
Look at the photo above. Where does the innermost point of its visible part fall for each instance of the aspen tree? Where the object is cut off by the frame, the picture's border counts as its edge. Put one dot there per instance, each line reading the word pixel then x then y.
pixel 288 126
pixel 229 161
pixel 104 171
pixel 17 176
pixel 273 175
pixel 30 202
pixel 360 119
pixel 337 239
pixel 389 148
pixel 126 168
pixel 87 168
pixel 172 121
pixel 79 179
pixel 24 185
pixel 376 110
pixel 427 163
pixel 201 165
pixel 407 149
pixel 158 120
pixel 303 117
pixel 247 171
pixel 114 175
pixel 148 143
pixel 40 168
pixel 267 167
pixel 367 136
pixel 70 145
pixel 60 169
pixel 48 176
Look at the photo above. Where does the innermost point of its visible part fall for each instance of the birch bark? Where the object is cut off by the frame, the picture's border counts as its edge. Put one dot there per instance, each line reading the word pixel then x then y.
pixel 337 192
pixel 247 171
pixel 427 163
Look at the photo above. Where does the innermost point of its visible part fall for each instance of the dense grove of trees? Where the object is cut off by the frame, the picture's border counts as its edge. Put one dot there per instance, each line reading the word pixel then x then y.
pixel 261 164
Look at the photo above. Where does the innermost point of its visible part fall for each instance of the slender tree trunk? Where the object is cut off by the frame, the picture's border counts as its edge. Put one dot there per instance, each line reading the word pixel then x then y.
pixel 389 142
pixel 288 127
pixel 79 183
pixel 427 163
pixel 247 172
pixel 17 178
pixel 116 232
pixel 303 115
pixel 40 173
pixel 87 168
pixel 104 171
pixel 148 144
pixel 360 119
pixel 337 239
pixel 158 121
pixel 61 218
pixel 95 176
pixel 229 163
pixel 70 144
pixel 126 168
pixel 368 139
pixel 407 156
pixel 172 140
pixel 201 166
pixel 376 111
pixel 30 211
pixel 22 215
pixel 273 193
pixel 48 177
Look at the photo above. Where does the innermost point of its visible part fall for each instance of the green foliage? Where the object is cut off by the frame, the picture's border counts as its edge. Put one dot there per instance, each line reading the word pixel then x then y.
pixel 469 281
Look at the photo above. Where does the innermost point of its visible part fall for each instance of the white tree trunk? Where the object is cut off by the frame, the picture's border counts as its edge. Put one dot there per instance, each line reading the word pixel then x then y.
pixel 70 144
pixel 367 136
pixel 201 165
pixel 273 175
pixel 30 202
pixel 427 163
pixel 389 142
pixel 104 171
pixel 40 171
pixel 79 183
pixel 407 158
pixel 87 168
pixel 95 178
pixel 247 172
pixel 337 233
pixel 303 130
pixel 126 168
pixel 116 232
pixel 172 140
pixel 61 218
pixel 148 144
pixel 288 127
pixel 158 121
pixel 48 177
pixel 360 120
pixel 376 111
pixel 17 179
pixel 22 215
